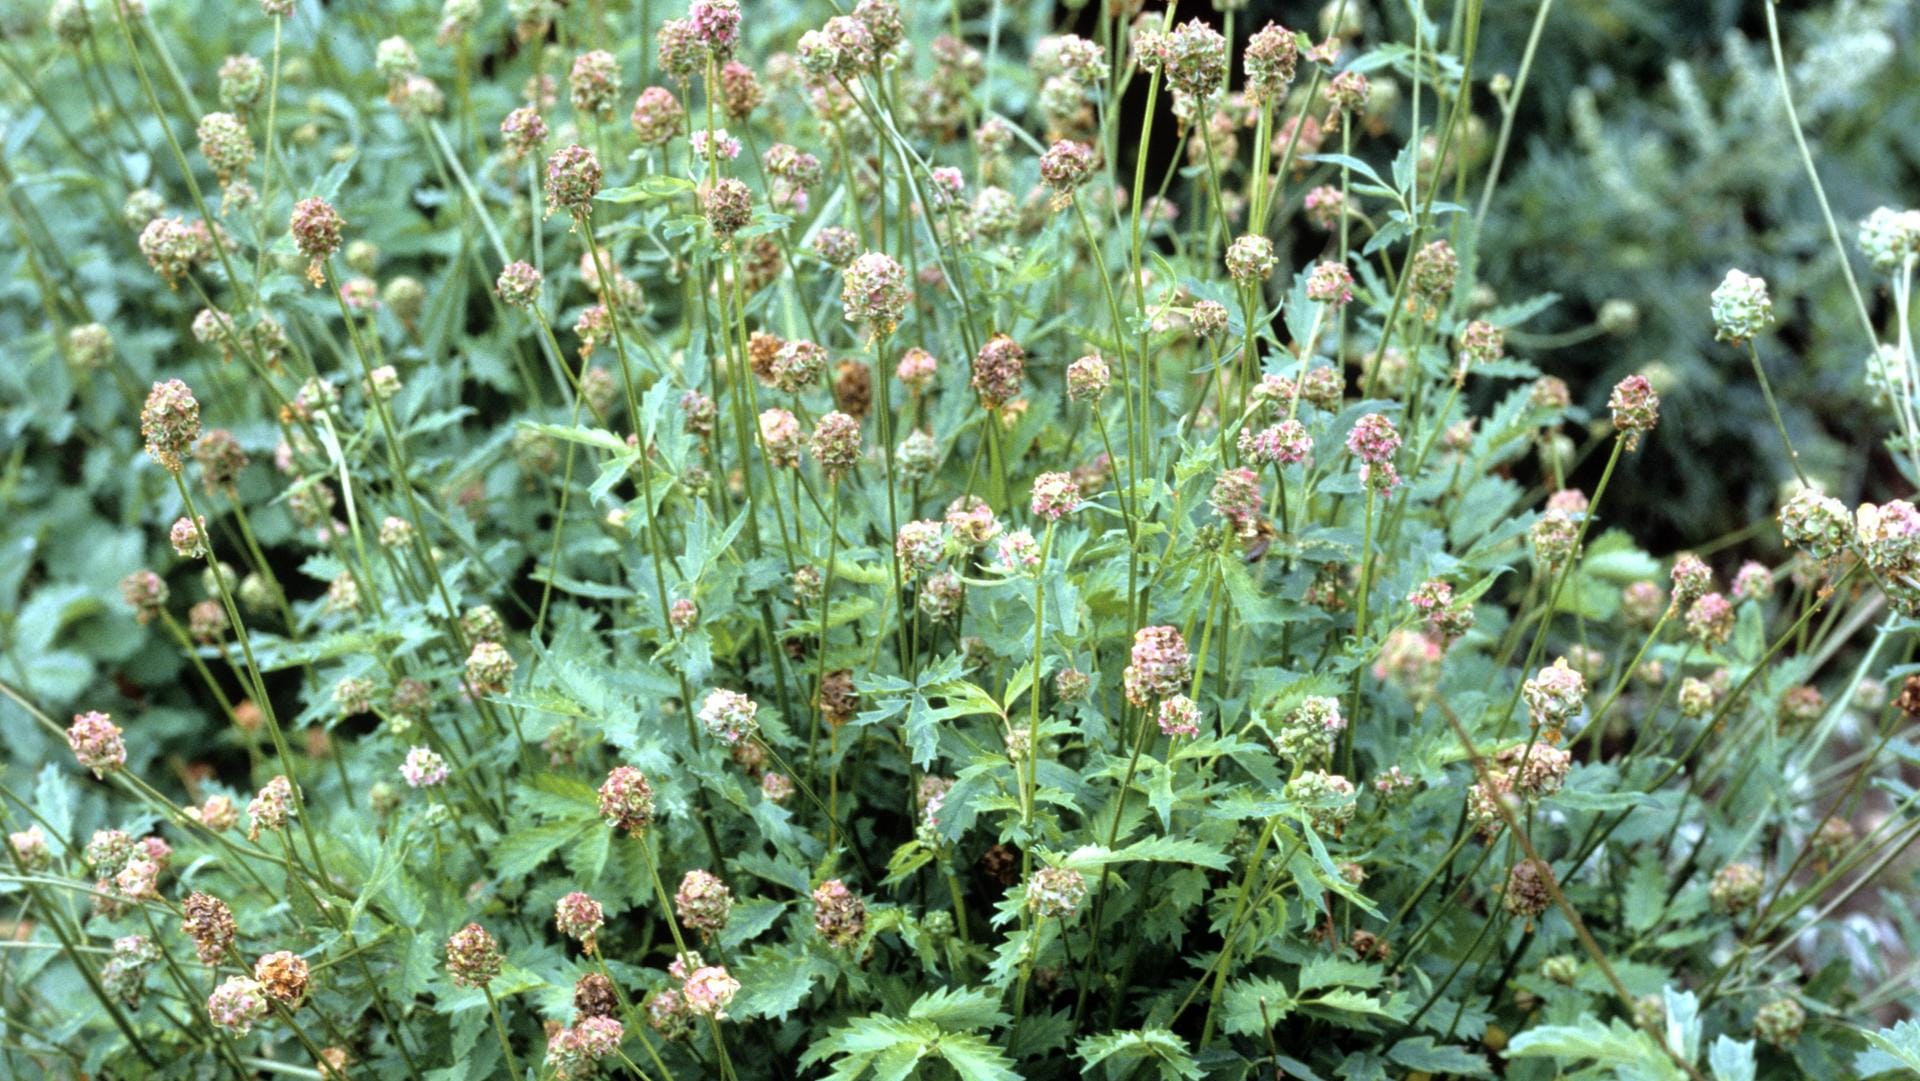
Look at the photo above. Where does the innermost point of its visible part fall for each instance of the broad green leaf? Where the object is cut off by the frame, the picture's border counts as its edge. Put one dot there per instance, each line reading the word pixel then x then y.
pixel 1168 1053
pixel 1421 1053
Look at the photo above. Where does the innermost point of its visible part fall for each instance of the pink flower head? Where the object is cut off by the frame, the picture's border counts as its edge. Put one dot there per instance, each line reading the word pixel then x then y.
pixel 709 990
pixel 1330 283
pixel 1054 495
pixel 626 800
pixel 96 743
pixel 579 917
pixel 1179 716
pixel 1161 665
pixel 423 768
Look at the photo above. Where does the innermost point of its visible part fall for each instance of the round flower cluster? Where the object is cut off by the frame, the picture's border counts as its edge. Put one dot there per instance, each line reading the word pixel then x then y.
pixel 657 116
pixel 1374 440
pixel 579 917
pixel 283 976
pixel 30 848
pixel 1270 59
pixel 681 54
pixel 473 957
pixel 1055 495
pixel 1325 206
pixel 729 716
pixel 1779 1022
pixel 941 596
pixel 208 922
pixel 683 614
pixel 798 365
pixel 1816 522
pixel 316 228
pixel 423 768
pixel 1088 378
pixel 740 92
pixel 96 743
pixel 1236 498
pixel 1072 685
pixel 729 207
pixel 1553 537
pixel 1016 553
pixel 1530 770
pixel 226 145
pixel 575 1052
pixel 1066 165
pixel 594 996
pixel 1250 260
pixel 1529 888
pixel 1328 799
pixel 146 593
pixel 1347 92
pixel 837 247
pixel 1697 698
pixel 242 79
pixel 1209 318
pixel 1307 731
pixel 270 807
pixel 1735 888
pixel 1161 665
pixel 998 368
pixel 626 800
pixel 703 903
pixel 1195 59
pixel 919 546
pixel 716 25
pixel 972 521
pixel 573 179
pixel 839 915
pixel 173 248
pixel 1691 579
pixel 169 422
pixel 1888 541
pixel 1056 892
pixel 1179 717
pixel 1554 696
pixel 124 976
pixel 780 436
pixel 916 369
pixel 1481 343
pixel 89 345
pixel 1709 621
pixel 518 285
pixel 522 132
pixel 1331 283
pixel 1889 238
pixel 1742 310
pixel 489 668
pixel 1636 409
pixel 708 991
pixel 237 1004
pixel 874 292
pixel 1284 443
pixel 1801 706
pixel 594 82
pixel 1752 582
pixel 1433 272
pixel 221 459
pixel 835 444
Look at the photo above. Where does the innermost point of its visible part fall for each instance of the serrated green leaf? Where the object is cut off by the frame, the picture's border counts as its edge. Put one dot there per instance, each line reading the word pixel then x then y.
pixel 1421 1053
pixel 1167 1052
